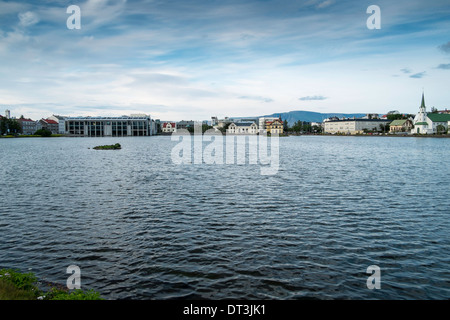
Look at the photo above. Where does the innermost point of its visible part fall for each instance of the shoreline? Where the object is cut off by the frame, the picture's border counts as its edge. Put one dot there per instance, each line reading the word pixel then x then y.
pixel 283 135
pixel 376 135
pixel 18 285
pixel 31 136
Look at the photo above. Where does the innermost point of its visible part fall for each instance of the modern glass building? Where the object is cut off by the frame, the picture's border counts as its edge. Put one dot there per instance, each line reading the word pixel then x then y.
pixel 109 126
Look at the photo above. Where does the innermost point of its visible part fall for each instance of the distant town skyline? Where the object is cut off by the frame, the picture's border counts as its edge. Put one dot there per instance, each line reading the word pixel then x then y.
pixel 183 60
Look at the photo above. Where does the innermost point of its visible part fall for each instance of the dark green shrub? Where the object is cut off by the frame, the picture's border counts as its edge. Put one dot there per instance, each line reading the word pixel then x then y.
pixel 43 133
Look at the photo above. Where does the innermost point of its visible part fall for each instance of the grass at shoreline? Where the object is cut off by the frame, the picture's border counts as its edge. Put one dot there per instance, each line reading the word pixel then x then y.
pixel 15 285
pixel 32 136
pixel 9 291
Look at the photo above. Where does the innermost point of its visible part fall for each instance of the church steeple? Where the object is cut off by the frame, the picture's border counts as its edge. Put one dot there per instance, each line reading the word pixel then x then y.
pixel 423 101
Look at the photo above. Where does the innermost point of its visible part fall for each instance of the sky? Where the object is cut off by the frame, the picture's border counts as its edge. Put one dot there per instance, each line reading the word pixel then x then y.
pixel 194 59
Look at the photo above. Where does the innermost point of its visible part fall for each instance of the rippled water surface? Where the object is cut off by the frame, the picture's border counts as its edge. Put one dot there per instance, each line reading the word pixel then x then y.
pixel 142 227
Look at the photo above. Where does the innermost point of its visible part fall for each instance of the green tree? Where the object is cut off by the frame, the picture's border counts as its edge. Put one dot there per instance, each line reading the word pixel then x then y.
pixel 297 127
pixel 9 126
pixel 224 128
pixel 317 129
pixel 14 126
pixel 393 117
pixel 204 128
pixel 440 129
pixel 285 126
pixel 3 126
pixel 43 133
pixel 307 127
pixel 384 128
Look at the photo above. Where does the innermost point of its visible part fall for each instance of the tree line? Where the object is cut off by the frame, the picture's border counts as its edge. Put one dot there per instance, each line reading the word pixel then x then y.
pixel 9 126
pixel 13 127
pixel 301 127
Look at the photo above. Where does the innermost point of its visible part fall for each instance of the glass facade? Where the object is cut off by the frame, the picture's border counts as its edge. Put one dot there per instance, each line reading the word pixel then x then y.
pixel 108 127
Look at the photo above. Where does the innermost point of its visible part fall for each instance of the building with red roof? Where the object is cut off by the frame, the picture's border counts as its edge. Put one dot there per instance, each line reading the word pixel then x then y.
pixel 169 127
pixel 48 124
pixel 27 126
pixel 274 126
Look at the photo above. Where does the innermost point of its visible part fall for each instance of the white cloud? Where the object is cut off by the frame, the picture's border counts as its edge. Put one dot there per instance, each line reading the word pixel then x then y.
pixel 28 19
pixel 418 75
pixel 185 60
pixel 325 4
pixel 257 98
pixel 312 98
pixel 101 12
pixel 405 70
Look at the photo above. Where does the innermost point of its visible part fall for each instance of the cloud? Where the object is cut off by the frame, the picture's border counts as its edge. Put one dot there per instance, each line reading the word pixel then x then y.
pixel 405 70
pixel 445 47
pixel 444 66
pixel 312 98
pixel 418 75
pixel 98 13
pixel 28 19
pixel 214 55
pixel 325 4
pixel 258 98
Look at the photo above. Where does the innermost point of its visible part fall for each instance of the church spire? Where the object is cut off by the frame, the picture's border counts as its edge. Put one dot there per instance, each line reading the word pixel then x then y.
pixel 423 101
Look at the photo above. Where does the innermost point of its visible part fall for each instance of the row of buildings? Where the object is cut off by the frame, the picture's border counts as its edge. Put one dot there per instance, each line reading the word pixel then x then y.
pixel 29 127
pixel 422 123
pixel 250 126
pixel 133 125
pixel 143 125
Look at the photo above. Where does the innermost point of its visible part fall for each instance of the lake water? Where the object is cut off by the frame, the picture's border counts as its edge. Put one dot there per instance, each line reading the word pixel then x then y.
pixel 141 227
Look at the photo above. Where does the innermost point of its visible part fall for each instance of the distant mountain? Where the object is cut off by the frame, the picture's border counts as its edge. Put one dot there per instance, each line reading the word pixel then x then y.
pixel 309 116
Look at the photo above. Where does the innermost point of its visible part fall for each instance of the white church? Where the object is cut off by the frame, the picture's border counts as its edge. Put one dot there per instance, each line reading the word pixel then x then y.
pixel 427 123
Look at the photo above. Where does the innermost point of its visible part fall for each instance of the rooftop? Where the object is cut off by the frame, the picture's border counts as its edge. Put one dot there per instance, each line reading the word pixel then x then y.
pixel 439 117
pixel 243 124
pixel 108 118
pixel 276 120
pixel 359 119
pixel 400 122
pixel 49 121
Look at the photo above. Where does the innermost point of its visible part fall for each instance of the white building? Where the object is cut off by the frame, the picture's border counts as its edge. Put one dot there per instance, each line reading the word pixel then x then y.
pixel 61 123
pixel 428 123
pixel 110 126
pixel 353 126
pixel 169 127
pixel 242 128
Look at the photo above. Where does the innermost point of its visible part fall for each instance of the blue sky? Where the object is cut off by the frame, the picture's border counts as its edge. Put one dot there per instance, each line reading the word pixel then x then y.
pixel 190 59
